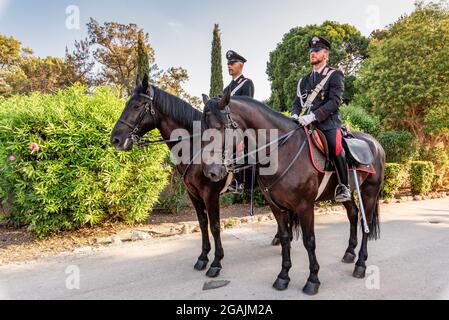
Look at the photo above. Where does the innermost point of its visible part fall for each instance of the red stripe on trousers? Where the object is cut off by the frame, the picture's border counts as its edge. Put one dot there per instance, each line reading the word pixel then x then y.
pixel 339 143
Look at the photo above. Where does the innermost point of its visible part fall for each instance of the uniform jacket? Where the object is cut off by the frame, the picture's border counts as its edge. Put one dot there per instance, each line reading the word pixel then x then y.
pixel 246 90
pixel 326 106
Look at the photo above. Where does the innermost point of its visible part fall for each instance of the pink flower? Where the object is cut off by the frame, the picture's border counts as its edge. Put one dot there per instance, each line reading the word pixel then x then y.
pixel 34 147
pixel 12 158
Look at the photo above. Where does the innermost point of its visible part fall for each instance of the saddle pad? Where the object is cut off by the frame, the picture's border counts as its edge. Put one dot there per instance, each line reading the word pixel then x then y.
pixel 319 161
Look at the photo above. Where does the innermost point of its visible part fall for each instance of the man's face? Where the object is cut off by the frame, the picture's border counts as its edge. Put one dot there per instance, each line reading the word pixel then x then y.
pixel 317 57
pixel 235 68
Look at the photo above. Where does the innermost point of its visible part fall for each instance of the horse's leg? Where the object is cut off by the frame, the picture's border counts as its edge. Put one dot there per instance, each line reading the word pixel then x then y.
pixel 283 279
pixel 307 219
pixel 213 209
pixel 203 259
pixel 276 241
pixel 370 196
pixel 353 216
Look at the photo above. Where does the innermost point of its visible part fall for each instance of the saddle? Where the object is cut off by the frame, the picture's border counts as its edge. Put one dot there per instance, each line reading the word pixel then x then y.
pixel 358 152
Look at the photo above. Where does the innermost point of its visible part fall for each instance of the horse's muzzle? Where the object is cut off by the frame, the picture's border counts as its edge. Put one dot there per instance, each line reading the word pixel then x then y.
pixel 215 173
pixel 122 144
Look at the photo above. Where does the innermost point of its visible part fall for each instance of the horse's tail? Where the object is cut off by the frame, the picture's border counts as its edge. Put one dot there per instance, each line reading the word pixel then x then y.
pixel 295 224
pixel 375 224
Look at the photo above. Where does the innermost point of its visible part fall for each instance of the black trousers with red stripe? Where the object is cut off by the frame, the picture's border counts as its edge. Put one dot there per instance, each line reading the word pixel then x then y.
pixel 337 154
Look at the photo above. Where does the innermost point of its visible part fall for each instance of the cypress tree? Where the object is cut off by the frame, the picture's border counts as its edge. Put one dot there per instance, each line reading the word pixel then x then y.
pixel 143 64
pixel 216 83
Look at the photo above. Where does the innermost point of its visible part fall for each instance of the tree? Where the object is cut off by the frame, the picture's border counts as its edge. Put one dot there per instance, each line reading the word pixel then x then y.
pixel 22 73
pixel 216 82
pixel 114 54
pixel 143 55
pixel 289 62
pixel 404 80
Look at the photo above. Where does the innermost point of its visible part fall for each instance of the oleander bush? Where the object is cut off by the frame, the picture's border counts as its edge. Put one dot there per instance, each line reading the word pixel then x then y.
pixel 58 170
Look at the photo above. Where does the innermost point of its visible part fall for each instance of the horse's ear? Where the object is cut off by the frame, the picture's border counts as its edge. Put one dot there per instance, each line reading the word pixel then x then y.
pixel 224 101
pixel 145 83
pixel 205 99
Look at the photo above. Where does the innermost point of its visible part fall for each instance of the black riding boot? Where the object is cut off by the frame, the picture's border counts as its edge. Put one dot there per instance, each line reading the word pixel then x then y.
pixel 343 192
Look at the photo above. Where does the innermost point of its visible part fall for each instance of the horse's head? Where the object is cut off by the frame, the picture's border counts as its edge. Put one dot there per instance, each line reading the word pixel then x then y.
pixel 139 117
pixel 215 122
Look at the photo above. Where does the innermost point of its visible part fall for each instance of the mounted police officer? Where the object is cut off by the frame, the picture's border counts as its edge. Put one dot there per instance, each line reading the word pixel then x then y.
pixel 239 86
pixel 319 96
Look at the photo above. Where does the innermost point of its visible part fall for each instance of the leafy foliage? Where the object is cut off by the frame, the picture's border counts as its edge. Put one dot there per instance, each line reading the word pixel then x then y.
pixel 358 119
pixel 422 174
pixel 22 73
pixel 404 79
pixel 399 146
pixel 394 175
pixel 59 170
pixel 439 156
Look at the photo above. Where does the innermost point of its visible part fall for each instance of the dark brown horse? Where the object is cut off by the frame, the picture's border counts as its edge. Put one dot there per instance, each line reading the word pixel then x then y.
pixel 292 191
pixel 150 108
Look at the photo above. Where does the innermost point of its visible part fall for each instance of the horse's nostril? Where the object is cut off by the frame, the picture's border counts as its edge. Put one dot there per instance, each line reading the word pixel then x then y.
pixel 116 141
pixel 212 175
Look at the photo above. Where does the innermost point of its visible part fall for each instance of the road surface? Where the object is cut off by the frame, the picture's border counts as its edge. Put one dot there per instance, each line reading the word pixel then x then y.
pixel 411 261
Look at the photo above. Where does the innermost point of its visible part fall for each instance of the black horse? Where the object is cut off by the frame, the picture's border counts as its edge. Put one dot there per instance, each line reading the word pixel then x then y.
pixel 150 108
pixel 292 191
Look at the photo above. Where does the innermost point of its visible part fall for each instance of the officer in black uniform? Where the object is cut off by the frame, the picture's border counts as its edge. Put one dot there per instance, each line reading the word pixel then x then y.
pixel 324 112
pixel 240 86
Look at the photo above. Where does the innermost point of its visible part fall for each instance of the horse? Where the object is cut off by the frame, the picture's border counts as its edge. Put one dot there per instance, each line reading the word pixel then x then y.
pixel 151 108
pixel 291 190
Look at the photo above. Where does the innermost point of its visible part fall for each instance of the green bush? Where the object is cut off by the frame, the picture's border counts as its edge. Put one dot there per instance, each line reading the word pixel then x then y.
pixel 357 118
pixel 174 198
pixel 399 146
pixel 422 175
pixel 58 169
pixel 440 159
pixel 394 176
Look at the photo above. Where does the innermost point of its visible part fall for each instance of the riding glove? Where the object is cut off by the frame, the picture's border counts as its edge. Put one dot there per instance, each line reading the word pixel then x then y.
pixel 306 120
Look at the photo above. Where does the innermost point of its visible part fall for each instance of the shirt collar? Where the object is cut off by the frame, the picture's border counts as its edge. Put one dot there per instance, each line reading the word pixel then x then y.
pixel 320 71
pixel 238 78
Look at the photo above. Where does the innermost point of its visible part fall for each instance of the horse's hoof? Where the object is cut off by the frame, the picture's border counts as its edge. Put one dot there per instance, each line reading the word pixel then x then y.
pixel 311 288
pixel 213 272
pixel 348 258
pixel 201 265
pixel 276 242
pixel 281 284
pixel 359 272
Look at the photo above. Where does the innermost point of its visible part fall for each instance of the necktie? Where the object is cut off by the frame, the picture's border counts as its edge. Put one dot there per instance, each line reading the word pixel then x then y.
pixel 315 76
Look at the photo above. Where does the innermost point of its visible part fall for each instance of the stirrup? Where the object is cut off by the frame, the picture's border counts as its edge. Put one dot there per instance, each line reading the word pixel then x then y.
pixel 342 194
pixel 235 187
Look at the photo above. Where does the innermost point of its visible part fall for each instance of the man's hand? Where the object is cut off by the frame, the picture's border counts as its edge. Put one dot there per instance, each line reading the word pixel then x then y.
pixel 295 118
pixel 306 120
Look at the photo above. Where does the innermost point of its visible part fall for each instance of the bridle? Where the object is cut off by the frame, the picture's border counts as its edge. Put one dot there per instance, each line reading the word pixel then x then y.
pixel 148 109
pixel 231 164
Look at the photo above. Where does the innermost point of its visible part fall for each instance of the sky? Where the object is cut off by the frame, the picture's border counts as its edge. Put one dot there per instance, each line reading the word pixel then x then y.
pixel 181 31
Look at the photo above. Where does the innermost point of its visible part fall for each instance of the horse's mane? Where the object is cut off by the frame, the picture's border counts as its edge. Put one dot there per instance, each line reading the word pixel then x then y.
pixel 279 120
pixel 177 109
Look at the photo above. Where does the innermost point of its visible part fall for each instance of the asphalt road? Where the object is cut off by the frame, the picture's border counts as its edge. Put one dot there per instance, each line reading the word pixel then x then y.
pixel 411 261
